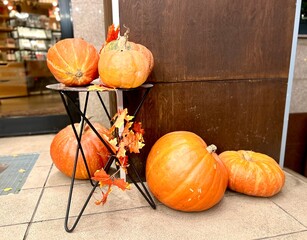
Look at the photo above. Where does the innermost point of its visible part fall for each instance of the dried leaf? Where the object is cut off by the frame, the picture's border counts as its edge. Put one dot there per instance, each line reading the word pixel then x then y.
pixel 121 152
pixel 100 87
pixel 105 179
pixel 120 117
pixel 137 127
pixel 102 177
pixel 21 170
pixel 123 161
pixel 112 33
pixel 7 189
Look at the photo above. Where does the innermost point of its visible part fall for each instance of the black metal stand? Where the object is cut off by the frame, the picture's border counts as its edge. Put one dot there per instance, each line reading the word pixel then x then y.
pixel 67 100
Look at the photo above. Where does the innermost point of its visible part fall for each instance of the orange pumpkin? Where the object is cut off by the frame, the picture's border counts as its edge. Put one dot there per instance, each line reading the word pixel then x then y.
pixel 63 151
pixel 124 64
pixel 73 62
pixel 253 173
pixel 184 174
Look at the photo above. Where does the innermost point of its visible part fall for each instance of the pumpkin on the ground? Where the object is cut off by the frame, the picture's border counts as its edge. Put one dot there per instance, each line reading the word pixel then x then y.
pixel 64 146
pixel 73 62
pixel 124 64
pixel 253 173
pixel 184 174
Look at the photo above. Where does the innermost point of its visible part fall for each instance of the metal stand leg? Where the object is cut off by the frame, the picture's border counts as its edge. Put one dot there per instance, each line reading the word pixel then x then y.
pixel 145 193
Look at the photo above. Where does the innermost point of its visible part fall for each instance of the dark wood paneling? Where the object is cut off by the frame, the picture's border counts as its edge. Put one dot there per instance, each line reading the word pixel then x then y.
pixel 296 147
pixel 221 69
pixel 200 40
pixel 233 115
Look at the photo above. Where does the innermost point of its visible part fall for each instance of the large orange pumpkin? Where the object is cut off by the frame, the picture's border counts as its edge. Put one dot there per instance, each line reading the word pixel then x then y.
pixel 124 64
pixel 253 173
pixel 63 151
pixel 184 174
pixel 73 62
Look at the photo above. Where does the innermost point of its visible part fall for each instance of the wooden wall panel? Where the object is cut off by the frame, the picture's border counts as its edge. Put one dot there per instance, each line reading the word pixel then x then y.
pixel 204 40
pixel 233 115
pixel 221 69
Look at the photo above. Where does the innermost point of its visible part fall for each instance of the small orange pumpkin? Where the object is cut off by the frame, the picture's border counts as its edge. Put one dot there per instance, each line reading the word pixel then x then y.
pixel 64 146
pixel 253 173
pixel 184 174
pixel 124 64
pixel 73 62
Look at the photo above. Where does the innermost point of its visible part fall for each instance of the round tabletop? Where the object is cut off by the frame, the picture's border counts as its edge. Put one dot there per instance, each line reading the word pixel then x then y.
pixel 62 87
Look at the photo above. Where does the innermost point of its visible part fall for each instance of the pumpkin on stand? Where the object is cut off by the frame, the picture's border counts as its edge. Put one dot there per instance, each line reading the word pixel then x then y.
pixel 64 146
pixel 253 173
pixel 124 64
pixel 73 62
pixel 184 173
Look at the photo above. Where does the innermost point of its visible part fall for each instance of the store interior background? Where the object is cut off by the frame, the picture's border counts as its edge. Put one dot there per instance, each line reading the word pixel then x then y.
pixel 27 107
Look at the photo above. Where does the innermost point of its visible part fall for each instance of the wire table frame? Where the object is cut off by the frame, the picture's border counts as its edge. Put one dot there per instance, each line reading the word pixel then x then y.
pixel 68 101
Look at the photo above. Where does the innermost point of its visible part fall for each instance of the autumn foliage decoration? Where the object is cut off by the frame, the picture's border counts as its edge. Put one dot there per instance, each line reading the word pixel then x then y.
pixel 129 140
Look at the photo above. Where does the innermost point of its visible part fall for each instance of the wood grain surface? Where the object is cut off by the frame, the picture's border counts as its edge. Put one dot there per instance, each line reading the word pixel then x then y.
pixel 221 70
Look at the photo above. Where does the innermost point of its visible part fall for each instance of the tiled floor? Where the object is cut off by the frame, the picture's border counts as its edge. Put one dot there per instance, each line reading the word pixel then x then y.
pixel 38 211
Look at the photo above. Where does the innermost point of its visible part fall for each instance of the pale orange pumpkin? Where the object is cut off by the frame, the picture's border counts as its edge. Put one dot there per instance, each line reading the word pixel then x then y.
pixel 64 145
pixel 73 62
pixel 184 174
pixel 124 64
pixel 253 173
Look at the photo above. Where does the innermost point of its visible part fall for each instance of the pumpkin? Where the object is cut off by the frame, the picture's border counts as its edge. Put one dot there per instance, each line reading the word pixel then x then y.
pixel 64 146
pixel 184 174
pixel 73 62
pixel 253 173
pixel 124 64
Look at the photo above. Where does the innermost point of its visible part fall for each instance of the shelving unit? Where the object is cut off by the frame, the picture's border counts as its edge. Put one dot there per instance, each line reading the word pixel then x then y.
pixel 24 43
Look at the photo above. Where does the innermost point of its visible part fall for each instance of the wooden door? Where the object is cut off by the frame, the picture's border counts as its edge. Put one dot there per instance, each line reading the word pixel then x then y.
pixel 221 70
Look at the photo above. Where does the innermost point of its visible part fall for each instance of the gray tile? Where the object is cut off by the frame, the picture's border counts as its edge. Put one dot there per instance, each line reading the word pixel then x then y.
pixel 18 208
pixel 236 217
pixel 14 232
pixel 25 144
pixel 293 197
pixel 54 201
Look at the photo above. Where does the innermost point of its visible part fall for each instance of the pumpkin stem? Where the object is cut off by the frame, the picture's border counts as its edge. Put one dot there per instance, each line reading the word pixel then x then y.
pixel 211 148
pixel 122 41
pixel 247 156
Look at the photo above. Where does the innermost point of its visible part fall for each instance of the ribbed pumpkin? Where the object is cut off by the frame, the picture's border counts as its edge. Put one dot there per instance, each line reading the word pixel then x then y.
pixel 63 151
pixel 184 174
pixel 124 64
pixel 253 173
pixel 73 62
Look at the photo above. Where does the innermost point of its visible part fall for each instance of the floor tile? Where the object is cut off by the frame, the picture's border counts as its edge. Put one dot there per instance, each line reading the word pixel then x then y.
pixel 18 208
pixel 37 177
pixel 56 178
pixel 44 159
pixel 292 236
pixel 14 232
pixel 293 198
pixel 54 201
pixel 236 217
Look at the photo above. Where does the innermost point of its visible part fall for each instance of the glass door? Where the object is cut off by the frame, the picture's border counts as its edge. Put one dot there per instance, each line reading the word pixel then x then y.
pixel 27 30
